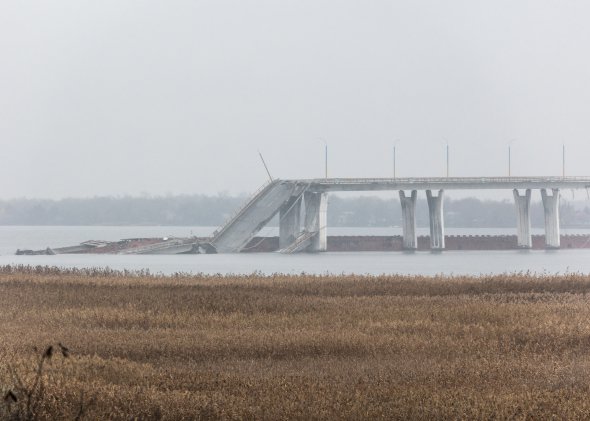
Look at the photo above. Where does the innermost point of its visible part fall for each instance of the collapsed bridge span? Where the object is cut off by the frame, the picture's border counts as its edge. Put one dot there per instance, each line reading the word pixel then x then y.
pixel 302 208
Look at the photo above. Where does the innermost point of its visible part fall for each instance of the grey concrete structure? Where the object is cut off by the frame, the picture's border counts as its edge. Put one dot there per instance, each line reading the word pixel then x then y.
pixel 523 219
pixel 551 208
pixel 437 224
pixel 410 241
pixel 289 221
pixel 285 197
pixel 316 219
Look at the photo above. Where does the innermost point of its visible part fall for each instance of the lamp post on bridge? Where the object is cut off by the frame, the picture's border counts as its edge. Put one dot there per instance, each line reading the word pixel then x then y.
pixel 447 159
pixel 563 160
pixel 325 156
pixel 510 157
pixel 394 158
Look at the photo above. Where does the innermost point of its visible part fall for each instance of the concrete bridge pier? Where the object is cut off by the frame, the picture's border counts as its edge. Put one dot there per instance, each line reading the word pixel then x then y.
pixel 437 227
pixel 523 219
pixel 316 219
pixel 410 241
pixel 551 207
pixel 289 221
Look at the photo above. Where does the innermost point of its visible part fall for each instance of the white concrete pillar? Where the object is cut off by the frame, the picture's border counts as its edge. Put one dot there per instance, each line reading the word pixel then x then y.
pixel 523 219
pixel 410 241
pixel 437 225
pixel 316 219
pixel 551 207
pixel 289 221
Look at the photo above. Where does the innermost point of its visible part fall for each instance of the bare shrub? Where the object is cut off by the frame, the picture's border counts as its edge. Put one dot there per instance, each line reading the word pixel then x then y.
pixel 29 398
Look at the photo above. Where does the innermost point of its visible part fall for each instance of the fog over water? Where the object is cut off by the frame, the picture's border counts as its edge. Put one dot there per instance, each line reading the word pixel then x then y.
pixel 145 98
pixel 114 98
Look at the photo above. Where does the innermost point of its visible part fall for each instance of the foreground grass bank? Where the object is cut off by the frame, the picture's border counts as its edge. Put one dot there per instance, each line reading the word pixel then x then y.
pixel 513 346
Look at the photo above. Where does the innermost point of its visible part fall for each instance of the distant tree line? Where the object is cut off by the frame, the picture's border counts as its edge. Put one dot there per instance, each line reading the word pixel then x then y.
pixel 200 210
pixel 174 210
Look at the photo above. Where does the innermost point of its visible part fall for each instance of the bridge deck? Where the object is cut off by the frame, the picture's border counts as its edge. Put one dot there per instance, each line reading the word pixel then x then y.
pixel 266 203
pixel 446 183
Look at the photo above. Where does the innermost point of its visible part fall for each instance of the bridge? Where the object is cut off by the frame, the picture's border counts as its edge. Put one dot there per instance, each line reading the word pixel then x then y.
pixel 302 207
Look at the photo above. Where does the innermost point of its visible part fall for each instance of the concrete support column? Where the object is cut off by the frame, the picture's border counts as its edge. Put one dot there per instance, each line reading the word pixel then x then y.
pixel 410 241
pixel 523 219
pixel 437 225
pixel 551 207
pixel 289 221
pixel 316 219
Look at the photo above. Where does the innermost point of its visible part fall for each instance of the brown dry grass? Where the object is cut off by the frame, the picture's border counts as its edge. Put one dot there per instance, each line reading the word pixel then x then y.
pixel 302 347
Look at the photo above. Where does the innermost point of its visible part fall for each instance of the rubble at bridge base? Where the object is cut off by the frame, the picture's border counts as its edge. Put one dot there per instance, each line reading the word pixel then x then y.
pixel 166 245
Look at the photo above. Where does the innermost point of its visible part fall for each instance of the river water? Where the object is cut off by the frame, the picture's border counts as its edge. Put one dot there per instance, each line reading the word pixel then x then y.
pixel 375 263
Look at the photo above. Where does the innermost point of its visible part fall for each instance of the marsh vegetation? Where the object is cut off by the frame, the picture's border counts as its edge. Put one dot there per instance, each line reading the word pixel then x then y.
pixel 301 347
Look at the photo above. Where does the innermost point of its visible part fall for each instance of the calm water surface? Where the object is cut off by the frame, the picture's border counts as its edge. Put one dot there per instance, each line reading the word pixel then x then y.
pixel 426 263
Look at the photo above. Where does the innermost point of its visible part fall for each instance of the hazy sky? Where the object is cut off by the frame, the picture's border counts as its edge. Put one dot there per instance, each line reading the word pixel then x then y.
pixel 130 97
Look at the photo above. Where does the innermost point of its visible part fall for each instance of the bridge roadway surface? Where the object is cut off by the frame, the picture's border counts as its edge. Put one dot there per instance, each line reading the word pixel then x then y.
pixel 442 183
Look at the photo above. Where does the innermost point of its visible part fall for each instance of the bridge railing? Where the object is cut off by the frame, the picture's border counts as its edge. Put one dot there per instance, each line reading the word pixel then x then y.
pixel 434 180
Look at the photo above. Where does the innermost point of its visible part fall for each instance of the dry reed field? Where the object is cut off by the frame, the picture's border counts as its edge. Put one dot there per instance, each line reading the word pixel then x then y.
pixel 136 346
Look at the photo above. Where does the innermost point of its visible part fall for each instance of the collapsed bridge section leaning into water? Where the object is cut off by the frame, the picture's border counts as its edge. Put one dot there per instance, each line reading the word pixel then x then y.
pixel 302 207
